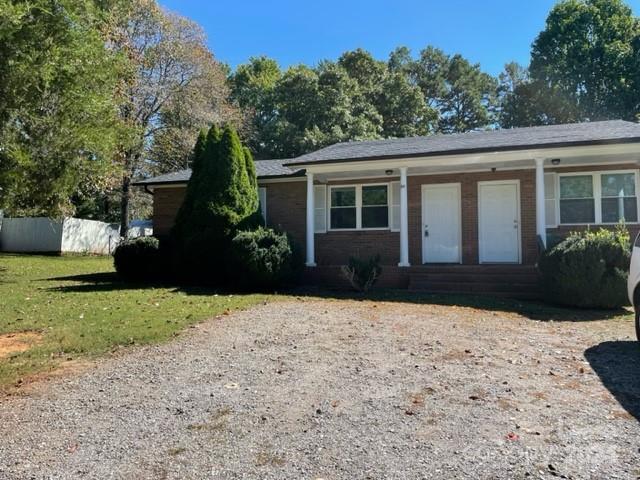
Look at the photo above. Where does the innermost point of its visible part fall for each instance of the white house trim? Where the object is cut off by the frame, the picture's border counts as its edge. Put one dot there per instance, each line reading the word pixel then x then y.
pixel 541 222
pixel 630 149
pixel 311 261
pixel 404 220
pixel 280 180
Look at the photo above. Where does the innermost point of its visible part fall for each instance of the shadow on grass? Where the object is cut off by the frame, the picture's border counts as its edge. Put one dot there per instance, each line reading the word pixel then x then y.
pixel 534 310
pixel 617 363
pixel 109 281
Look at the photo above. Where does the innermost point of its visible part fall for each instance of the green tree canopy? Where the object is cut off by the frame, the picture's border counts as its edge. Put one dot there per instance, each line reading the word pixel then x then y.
pixel 359 97
pixel 59 128
pixel 588 55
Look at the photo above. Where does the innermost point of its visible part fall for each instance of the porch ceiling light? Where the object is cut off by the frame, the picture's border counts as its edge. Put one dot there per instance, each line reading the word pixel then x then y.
pixel 555 161
pixel 389 172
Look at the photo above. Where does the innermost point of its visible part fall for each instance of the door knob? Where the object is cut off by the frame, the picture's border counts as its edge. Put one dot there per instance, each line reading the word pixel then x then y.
pixel 426 230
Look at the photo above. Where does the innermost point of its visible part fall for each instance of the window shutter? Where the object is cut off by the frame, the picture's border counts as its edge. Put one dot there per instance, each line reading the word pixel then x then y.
pixel 394 211
pixel 320 204
pixel 550 199
pixel 262 197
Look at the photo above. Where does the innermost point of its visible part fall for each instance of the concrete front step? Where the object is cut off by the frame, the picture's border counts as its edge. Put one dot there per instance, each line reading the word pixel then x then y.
pixel 472 287
pixel 482 269
pixel 529 278
pixel 515 295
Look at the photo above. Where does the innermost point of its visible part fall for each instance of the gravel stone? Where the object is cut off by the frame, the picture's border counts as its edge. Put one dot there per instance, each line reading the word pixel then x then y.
pixel 340 389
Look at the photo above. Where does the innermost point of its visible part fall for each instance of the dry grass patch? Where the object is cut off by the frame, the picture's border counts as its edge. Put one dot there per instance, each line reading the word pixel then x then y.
pixel 11 343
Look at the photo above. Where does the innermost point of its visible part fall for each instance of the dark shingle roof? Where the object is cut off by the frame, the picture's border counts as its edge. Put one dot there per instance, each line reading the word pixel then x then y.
pixel 264 169
pixel 614 131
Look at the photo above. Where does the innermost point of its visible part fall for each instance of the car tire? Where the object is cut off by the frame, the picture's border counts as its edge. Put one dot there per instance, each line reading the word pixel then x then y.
pixel 637 322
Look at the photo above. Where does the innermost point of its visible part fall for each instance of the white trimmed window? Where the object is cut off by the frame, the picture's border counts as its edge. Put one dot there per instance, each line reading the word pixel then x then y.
pixel 618 197
pixel 359 207
pixel 599 197
pixel 262 197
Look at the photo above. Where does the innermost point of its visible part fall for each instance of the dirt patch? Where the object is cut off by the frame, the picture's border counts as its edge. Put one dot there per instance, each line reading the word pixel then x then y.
pixel 11 343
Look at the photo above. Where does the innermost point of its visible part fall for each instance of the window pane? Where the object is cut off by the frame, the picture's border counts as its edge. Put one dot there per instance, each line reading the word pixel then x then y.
pixel 343 217
pixel 579 186
pixel 375 217
pixel 618 184
pixel 616 209
pixel 577 211
pixel 374 195
pixel 343 197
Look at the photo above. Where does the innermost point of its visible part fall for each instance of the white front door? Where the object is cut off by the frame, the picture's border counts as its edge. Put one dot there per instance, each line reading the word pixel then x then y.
pixel 499 221
pixel 441 223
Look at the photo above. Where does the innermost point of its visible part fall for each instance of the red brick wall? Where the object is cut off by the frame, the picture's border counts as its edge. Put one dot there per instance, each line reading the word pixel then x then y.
pixel 287 208
pixel 335 248
pixel 166 203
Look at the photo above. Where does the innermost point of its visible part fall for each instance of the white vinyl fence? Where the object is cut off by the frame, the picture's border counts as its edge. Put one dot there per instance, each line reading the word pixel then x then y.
pixel 59 236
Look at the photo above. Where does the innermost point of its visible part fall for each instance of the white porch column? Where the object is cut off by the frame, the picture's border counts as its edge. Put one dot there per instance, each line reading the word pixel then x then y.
pixel 404 220
pixel 311 257
pixel 541 221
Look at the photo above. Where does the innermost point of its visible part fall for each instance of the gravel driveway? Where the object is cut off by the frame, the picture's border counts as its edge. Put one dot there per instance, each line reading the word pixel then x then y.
pixel 341 389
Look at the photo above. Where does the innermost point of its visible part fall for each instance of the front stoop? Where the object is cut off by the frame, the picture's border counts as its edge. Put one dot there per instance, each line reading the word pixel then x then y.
pixel 515 281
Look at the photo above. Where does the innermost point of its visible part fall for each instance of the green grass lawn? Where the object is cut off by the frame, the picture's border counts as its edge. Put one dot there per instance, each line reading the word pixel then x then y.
pixel 80 310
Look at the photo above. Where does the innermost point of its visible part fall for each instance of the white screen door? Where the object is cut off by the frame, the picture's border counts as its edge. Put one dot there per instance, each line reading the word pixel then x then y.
pixel 441 223
pixel 499 222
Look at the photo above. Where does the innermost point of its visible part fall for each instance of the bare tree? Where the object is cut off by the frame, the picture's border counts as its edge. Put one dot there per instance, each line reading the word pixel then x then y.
pixel 173 88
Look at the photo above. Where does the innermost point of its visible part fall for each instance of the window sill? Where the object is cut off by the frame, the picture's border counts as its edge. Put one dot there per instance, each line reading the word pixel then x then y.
pixel 383 229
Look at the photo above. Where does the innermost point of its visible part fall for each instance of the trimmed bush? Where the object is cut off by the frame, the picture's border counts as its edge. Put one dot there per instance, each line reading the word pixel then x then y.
pixel 263 259
pixel 588 269
pixel 139 259
pixel 362 274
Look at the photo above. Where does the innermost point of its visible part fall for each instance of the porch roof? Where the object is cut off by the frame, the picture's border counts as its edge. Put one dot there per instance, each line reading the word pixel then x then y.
pixel 552 136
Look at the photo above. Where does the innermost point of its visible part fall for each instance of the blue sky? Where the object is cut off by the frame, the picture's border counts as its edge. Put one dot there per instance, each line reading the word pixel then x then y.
pixel 491 32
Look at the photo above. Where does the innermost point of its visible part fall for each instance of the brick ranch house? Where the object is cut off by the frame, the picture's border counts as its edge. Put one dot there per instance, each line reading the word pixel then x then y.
pixel 462 213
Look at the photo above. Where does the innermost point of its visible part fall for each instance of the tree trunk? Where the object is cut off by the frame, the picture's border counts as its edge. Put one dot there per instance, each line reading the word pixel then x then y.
pixel 124 205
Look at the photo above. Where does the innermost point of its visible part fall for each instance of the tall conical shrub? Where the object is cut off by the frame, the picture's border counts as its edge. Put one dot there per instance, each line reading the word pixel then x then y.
pixel 221 195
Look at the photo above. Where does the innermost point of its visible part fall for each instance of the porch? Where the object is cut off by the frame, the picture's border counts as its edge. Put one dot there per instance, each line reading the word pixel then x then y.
pixel 456 223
